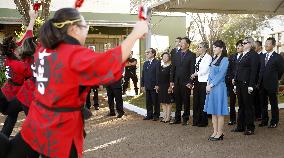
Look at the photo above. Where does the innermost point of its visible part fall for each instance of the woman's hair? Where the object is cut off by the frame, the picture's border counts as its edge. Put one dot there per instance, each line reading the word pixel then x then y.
pixel 28 48
pixel 166 53
pixel 204 45
pixel 220 44
pixel 54 30
pixel 8 47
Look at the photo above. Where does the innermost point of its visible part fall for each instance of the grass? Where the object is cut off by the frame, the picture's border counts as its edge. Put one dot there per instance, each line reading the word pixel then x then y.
pixel 140 100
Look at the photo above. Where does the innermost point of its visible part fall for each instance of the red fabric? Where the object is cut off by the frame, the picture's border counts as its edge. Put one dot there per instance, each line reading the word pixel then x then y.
pixel 26 93
pixel 67 69
pixel 16 71
pixel 29 33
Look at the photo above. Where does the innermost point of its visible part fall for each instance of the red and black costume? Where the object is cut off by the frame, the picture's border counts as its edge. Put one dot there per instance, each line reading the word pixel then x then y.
pixel 55 122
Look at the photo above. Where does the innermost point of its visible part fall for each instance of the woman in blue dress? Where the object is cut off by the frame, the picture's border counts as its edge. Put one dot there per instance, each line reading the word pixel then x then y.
pixel 216 100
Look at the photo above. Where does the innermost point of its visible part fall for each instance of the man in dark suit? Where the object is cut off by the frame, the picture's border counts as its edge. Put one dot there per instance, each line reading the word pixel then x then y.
pixel 95 98
pixel 175 50
pixel 183 66
pixel 271 70
pixel 114 91
pixel 149 84
pixel 233 59
pixel 245 81
pixel 257 104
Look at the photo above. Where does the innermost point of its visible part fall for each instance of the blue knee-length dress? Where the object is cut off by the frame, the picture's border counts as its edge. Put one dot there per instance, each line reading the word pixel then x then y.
pixel 216 102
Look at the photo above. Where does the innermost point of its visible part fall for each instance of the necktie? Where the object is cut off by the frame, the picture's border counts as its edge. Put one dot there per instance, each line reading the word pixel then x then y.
pixel 266 58
pixel 240 57
pixel 182 55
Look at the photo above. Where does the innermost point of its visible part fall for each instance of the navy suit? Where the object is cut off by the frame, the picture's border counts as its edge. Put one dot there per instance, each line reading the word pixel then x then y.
pixel 268 80
pixel 114 91
pixel 149 80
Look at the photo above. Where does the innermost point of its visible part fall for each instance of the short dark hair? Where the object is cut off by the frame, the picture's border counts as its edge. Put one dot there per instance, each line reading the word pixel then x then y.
pixel 153 51
pixel 187 40
pixel 179 38
pixel 166 53
pixel 272 39
pixel 259 43
pixel 28 48
pixel 239 42
pixel 8 47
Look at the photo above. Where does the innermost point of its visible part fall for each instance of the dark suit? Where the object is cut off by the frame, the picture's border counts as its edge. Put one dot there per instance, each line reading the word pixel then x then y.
pixel 182 68
pixel 230 75
pixel 268 80
pixel 246 74
pixel 95 98
pixel 256 92
pixel 114 91
pixel 149 80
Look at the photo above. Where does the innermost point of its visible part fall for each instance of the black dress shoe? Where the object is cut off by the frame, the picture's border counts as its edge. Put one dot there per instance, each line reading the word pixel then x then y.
pixel 272 125
pixel 147 118
pixel 262 124
pixel 249 132
pixel 231 123
pixel 120 115
pixel 111 114
pixel 217 139
pixel 195 124
pixel 155 119
pixel 237 130
pixel 175 122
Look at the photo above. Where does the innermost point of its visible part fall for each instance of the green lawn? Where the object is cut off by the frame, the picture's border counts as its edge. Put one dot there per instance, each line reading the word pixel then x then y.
pixel 140 100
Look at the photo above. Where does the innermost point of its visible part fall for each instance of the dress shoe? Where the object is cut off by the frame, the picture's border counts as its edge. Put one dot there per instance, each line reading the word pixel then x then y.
pixel 167 121
pixel 217 139
pixel 111 114
pixel 249 132
pixel 147 118
pixel 120 115
pixel 184 123
pixel 262 124
pixel 202 125
pixel 231 123
pixel 156 119
pixel 175 122
pixel 195 124
pixel 272 125
pixel 237 130
pixel 258 119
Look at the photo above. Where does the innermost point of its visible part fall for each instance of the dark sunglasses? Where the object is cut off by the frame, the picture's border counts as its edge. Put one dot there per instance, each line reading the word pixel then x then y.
pixel 244 43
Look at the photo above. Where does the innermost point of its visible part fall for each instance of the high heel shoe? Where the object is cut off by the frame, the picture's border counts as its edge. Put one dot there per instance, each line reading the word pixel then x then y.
pixel 210 137
pixel 217 139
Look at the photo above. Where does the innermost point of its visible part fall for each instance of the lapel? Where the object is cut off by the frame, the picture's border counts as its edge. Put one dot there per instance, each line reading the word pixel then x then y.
pixel 270 58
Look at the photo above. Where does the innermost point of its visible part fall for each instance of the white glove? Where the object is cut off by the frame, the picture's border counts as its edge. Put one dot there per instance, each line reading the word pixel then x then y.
pixel 250 89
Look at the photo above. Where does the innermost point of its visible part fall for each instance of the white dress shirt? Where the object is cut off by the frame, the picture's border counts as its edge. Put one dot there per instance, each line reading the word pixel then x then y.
pixel 204 66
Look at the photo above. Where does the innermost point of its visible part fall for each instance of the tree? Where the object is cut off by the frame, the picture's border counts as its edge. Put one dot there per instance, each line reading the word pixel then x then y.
pixel 23 6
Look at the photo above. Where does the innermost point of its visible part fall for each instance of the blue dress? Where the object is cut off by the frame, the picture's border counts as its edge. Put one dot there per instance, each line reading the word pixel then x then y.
pixel 216 102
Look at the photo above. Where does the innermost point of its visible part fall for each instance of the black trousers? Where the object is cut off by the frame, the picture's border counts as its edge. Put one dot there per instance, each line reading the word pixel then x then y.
pixel 127 78
pixel 12 113
pixel 264 95
pixel 115 93
pixel 233 99
pixel 256 103
pixel 199 96
pixel 246 108
pixel 4 145
pixel 152 101
pixel 182 97
pixel 20 149
pixel 3 102
pixel 95 98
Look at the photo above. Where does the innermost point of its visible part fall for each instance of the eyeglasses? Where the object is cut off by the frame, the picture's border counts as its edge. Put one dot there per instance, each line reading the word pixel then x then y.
pixel 244 43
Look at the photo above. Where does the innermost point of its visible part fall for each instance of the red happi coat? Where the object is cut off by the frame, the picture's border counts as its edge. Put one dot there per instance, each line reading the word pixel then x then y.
pixel 61 74
pixel 16 72
pixel 26 93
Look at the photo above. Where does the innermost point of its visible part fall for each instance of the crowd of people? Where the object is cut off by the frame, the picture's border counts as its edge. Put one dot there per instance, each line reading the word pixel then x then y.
pixel 51 79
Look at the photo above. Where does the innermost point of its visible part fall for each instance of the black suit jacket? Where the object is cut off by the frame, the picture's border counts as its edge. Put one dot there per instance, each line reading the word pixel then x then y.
pixel 116 84
pixel 271 72
pixel 232 66
pixel 149 77
pixel 246 71
pixel 183 67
